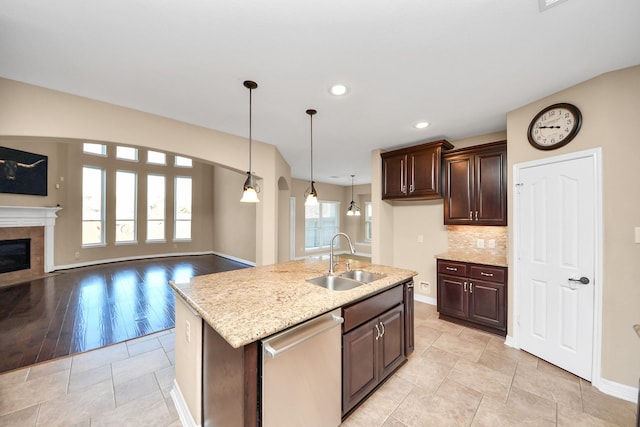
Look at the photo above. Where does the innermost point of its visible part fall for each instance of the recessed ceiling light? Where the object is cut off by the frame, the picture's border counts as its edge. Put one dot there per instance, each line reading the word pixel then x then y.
pixel 338 90
pixel 421 125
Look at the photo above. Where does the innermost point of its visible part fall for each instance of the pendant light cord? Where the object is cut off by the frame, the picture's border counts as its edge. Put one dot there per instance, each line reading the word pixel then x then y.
pixel 250 102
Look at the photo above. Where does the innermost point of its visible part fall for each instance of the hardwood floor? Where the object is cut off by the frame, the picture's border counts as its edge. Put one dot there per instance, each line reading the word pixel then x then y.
pixel 91 307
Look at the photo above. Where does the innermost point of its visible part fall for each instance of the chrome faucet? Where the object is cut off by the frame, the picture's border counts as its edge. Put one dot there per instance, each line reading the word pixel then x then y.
pixel 331 263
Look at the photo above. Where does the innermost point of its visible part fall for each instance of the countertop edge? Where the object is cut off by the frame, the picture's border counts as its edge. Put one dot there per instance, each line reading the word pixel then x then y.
pixel 225 315
pixel 474 258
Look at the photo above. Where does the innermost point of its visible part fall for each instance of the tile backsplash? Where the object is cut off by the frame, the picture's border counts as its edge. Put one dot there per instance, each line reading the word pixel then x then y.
pixel 465 238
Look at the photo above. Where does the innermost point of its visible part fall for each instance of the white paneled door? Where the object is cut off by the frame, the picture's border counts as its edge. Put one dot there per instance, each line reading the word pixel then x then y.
pixel 556 259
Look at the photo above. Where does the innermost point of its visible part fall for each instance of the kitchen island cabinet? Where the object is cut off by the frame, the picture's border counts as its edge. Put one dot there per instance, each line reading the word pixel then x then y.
pixel 372 350
pixel 238 309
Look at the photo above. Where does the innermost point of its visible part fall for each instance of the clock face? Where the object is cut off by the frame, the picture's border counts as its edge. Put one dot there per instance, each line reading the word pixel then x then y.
pixel 554 126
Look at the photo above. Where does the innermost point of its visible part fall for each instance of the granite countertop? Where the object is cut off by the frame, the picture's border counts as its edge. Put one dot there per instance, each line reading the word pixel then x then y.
pixel 247 305
pixel 474 257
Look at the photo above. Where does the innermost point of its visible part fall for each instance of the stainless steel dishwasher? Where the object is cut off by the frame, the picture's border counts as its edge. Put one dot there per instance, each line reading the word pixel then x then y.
pixel 302 374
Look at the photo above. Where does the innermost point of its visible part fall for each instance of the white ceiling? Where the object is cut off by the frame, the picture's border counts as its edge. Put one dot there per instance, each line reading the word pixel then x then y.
pixel 459 64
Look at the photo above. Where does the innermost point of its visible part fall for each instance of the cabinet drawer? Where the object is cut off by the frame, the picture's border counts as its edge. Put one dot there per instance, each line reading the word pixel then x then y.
pixel 363 311
pixel 452 268
pixel 490 274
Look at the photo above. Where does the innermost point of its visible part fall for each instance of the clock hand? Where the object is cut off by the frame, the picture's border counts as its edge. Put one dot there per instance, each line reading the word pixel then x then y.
pixel 549 127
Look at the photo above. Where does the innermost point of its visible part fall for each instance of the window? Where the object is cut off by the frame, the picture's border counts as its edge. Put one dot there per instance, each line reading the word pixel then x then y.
pixel 97 149
pixel 156 157
pixel 92 206
pixel 182 229
pixel 126 185
pixel 183 162
pixel 127 153
pixel 155 207
pixel 368 213
pixel 321 223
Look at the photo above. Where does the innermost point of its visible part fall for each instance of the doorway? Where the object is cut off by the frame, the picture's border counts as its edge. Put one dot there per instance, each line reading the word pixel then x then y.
pixel 558 260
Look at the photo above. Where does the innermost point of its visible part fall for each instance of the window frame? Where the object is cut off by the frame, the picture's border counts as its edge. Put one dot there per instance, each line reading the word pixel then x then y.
pixel 175 210
pixel 335 228
pixel 103 208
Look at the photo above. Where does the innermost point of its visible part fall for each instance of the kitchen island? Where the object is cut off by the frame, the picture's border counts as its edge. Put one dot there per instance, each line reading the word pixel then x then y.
pixel 221 318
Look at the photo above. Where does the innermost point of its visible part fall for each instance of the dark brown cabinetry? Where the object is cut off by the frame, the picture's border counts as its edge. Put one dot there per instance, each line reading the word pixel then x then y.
pixel 475 185
pixel 373 343
pixel 413 172
pixel 409 335
pixel 473 294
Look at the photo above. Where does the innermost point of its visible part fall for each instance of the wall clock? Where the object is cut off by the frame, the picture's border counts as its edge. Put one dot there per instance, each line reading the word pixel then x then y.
pixel 554 126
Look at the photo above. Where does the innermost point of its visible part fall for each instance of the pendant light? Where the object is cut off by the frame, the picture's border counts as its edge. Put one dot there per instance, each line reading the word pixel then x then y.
pixel 353 210
pixel 251 188
pixel 311 196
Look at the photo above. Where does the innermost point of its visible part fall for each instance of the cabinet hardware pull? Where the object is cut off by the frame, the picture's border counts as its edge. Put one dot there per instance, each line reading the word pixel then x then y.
pixel 452 268
pixel 411 188
pixel 470 215
pixel 377 332
pixel 404 189
pixel 482 273
pixel 464 288
pixel 470 287
pixel 382 326
pixel 476 215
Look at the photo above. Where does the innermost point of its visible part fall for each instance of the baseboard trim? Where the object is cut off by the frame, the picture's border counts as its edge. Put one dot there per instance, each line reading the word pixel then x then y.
pixel 621 391
pixel 140 257
pixel 427 300
pixel 181 407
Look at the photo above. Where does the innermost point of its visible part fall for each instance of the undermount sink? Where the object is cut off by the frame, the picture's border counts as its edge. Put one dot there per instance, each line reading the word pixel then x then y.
pixel 335 283
pixel 345 281
pixel 362 276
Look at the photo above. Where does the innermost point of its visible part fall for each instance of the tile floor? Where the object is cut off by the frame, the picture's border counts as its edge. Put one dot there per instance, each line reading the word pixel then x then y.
pixel 456 377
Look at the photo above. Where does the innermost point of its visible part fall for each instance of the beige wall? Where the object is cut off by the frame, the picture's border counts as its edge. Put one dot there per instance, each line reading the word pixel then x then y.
pixel 233 223
pixel 401 224
pixel 610 106
pixel 31 111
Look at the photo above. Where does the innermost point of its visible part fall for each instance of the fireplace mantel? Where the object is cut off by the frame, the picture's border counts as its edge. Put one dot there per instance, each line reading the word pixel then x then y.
pixel 33 216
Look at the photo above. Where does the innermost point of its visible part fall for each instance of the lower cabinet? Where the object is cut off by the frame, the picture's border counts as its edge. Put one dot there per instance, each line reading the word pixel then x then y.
pixel 373 344
pixel 473 294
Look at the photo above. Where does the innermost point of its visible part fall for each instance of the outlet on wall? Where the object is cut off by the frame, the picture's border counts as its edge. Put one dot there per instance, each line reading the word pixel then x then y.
pixel 424 286
pixel 480 243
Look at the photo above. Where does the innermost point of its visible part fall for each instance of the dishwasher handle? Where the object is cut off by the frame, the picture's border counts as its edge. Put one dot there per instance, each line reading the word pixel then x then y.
pixel 300 334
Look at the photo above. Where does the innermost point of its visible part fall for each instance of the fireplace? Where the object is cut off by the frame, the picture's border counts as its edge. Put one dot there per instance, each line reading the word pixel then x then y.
pixel 32 223
pixel 15 255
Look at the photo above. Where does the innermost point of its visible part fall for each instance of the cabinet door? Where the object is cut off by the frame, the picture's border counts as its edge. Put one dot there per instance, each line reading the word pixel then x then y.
pixel 487 304
pixel 452 296
pixel 423 170
pixel 490 189
pixel 360 360
pixel 409 326
pixel 459 183
pixel 394 176
pixel 391 340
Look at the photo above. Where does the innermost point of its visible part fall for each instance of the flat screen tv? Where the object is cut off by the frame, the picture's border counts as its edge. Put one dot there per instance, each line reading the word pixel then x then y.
pixel 22 172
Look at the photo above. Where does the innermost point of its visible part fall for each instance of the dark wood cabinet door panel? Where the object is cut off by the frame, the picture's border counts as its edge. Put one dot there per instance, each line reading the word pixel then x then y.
pixel 424 173
pixel 392 340
pixel 491 274
pixel 452 268
pixel 452 297
pixel 360 363
pixel 394 176
pixel 486 303
pixel 459 184
pixel 491 200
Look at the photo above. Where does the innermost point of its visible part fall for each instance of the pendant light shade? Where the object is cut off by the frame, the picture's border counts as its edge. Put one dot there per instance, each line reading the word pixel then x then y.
pixel 311 195
pixel 353 209
pixel 250 188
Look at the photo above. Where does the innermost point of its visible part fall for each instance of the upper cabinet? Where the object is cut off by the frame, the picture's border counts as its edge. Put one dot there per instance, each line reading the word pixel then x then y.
pixel 413 172
pixel 475 185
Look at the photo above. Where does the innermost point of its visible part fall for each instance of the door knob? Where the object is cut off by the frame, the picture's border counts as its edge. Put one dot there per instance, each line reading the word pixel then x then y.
pixel 583 280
